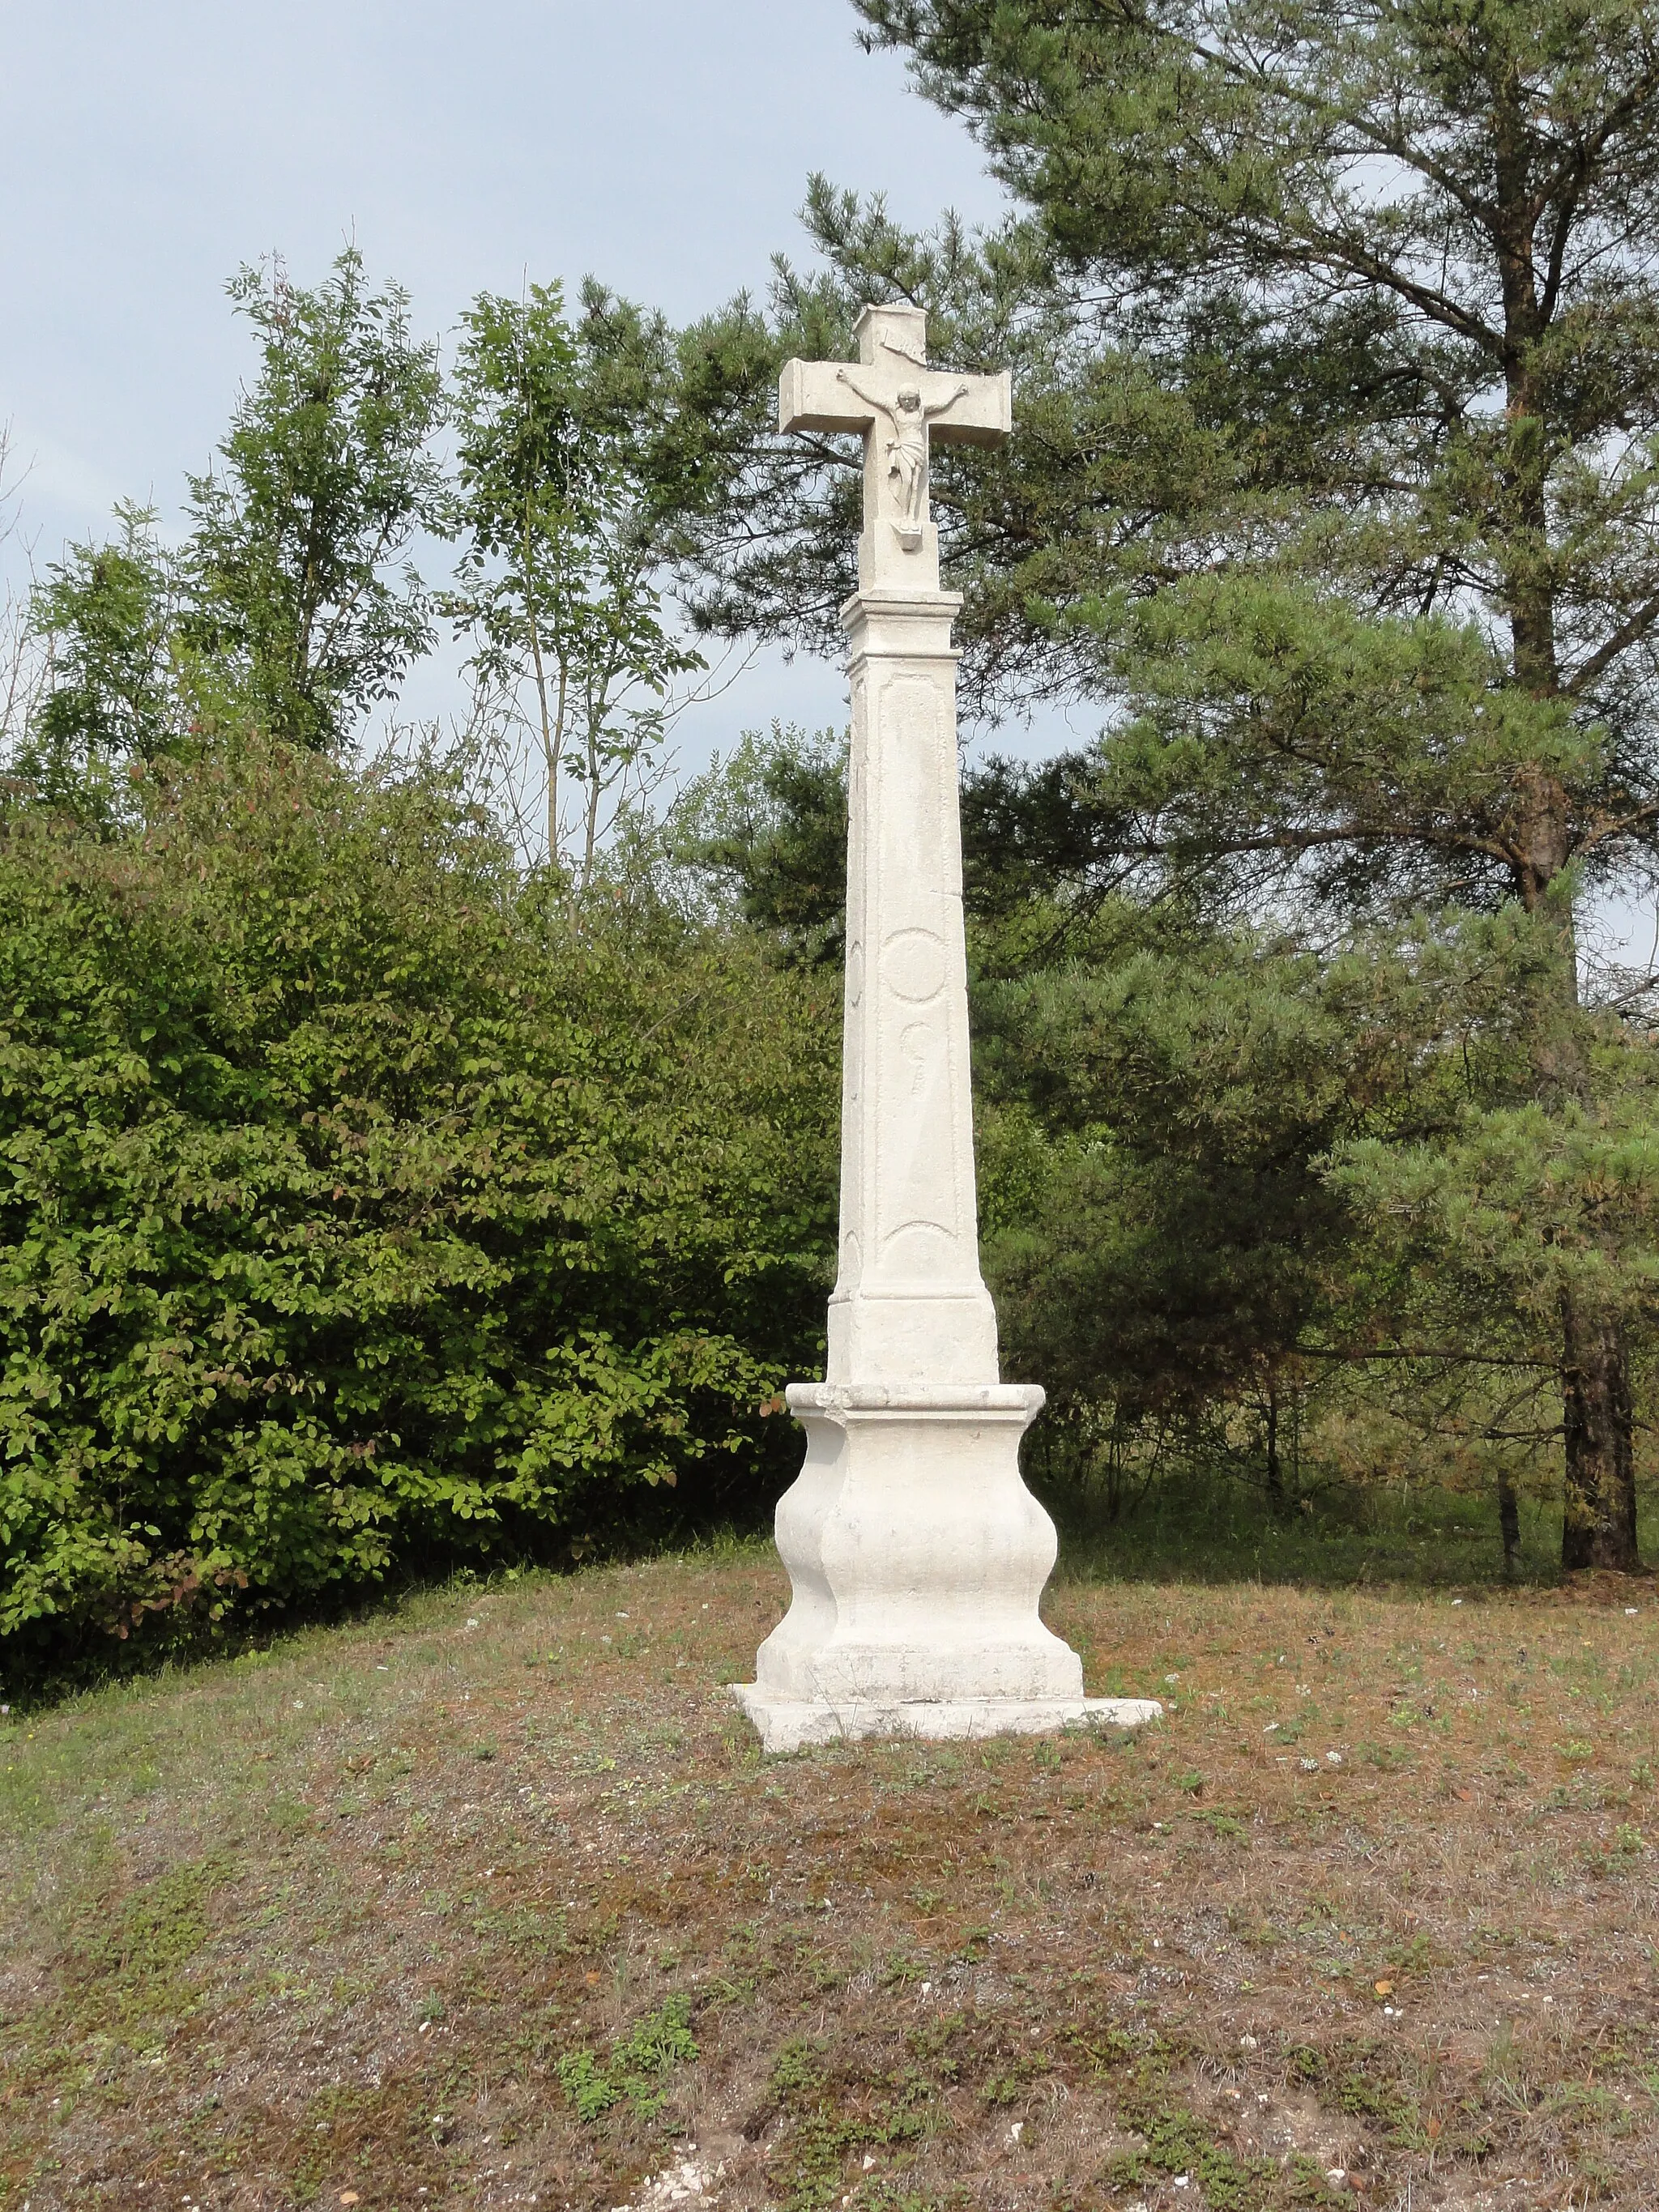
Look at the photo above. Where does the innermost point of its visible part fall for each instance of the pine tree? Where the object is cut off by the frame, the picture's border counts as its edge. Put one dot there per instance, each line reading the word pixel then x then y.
pixel 1391 267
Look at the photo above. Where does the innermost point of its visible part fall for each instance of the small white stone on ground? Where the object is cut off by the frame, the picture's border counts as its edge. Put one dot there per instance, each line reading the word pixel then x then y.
pixel 686 2182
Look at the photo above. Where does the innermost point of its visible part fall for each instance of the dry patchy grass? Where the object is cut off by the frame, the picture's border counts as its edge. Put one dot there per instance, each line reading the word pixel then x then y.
pixel 492 1902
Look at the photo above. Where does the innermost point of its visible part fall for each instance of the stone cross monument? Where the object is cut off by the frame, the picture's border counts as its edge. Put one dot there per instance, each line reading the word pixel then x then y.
pixel 915 1552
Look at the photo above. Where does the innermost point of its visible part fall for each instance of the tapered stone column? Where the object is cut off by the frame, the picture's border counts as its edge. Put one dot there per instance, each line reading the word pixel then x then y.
pixel 915 1552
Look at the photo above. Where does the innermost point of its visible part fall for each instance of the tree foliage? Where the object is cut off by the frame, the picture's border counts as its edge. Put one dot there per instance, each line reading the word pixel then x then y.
pixel 113 690
pixel 291 607
pixel 365 1210
pixel 563 510
pixel 380 1197
pixel 326 474
pixel 764 834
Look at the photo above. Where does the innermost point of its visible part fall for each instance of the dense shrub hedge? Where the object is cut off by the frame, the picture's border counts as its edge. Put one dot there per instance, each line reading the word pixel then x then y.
pixel 364 1209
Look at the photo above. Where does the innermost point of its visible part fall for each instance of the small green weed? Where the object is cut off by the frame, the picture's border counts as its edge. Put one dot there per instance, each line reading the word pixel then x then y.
pixel 1221 1824
pixel 652 2048
pixel 1178 2143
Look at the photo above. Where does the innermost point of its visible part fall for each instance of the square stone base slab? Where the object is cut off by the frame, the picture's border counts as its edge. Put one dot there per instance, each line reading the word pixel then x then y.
pixel 785 1726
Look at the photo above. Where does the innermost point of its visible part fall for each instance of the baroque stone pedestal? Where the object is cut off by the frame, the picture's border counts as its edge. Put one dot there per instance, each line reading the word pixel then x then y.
pixel 915 1552
pixel 917 1557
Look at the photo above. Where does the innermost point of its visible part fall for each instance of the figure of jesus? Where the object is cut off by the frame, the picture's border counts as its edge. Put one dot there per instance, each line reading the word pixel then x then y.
pixel 907 449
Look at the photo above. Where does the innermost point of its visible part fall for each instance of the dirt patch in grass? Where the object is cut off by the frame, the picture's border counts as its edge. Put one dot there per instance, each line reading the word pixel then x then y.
pixel 494 1902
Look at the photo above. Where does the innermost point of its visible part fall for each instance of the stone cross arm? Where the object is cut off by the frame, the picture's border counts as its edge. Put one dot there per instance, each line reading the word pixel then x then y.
pixel 832 395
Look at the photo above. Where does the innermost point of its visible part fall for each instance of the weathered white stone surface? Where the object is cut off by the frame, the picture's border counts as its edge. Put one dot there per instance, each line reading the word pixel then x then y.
pixel 916 1555
pixel 784 1727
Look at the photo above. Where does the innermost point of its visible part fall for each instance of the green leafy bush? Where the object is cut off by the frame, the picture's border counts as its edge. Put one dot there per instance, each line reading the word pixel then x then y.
pixel 363 1208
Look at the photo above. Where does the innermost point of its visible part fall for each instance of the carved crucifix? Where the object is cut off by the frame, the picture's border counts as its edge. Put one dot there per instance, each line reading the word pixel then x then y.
pixel 915 1552
pixel 900 404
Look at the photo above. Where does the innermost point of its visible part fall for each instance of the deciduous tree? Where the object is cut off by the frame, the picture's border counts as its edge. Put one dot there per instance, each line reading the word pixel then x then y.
pixel 300 575
pixel 563 510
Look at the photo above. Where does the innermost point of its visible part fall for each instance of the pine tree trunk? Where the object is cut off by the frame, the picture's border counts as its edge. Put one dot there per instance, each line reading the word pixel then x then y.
pixel 1600 1528
pixel 1509 1521
pixel 1275 1472
pixel 1597 1421
pixel 1599 1525
pixel 1598 1436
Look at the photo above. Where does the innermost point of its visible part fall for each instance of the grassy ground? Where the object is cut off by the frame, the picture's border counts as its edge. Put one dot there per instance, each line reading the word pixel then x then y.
pixel 491 1902
pixel 1358 1538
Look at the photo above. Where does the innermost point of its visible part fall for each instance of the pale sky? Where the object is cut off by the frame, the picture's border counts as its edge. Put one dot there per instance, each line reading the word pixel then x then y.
pixel 146 151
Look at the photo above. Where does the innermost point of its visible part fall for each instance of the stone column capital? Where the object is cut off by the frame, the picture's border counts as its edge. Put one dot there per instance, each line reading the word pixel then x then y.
pixel 902 623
